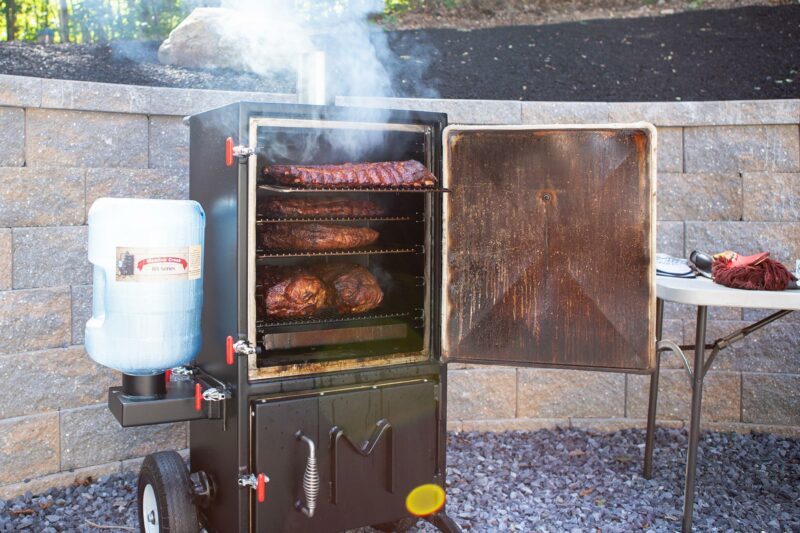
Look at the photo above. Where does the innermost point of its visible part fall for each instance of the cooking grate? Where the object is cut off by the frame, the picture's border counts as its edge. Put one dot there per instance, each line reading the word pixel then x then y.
pixel 271 254
pixel 272 220
pixel 327 316
pixel 283 189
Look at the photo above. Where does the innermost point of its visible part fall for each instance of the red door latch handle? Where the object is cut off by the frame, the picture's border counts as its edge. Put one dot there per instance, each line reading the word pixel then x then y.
pixel 229 151
pixel 229 350
pixel 261 488
pixel 198 397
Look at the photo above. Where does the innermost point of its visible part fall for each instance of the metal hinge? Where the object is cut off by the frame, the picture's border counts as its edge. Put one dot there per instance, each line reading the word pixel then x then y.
pixel 244 348
pixel 243 152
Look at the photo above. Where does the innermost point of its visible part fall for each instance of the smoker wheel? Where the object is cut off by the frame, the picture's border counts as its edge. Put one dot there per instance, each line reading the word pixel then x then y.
pixel 165 495
pixel 398 526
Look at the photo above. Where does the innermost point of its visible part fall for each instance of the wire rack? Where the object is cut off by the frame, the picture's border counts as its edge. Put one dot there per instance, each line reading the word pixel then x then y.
pixel 288 190
pixel 274 220
pixel 271 254
pixel 328 316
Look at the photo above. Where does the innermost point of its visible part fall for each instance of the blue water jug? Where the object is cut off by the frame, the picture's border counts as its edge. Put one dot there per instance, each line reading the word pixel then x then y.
pixel 148 283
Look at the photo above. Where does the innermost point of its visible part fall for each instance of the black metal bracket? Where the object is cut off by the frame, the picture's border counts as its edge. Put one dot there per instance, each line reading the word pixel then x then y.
pixel 366 448
pixel 178 403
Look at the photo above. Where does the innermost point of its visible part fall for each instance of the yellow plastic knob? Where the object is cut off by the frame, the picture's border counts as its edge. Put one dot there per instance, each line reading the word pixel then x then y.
pixel 425 500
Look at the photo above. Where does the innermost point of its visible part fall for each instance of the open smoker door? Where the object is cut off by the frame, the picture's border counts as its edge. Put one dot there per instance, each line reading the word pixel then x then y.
pixel 549 244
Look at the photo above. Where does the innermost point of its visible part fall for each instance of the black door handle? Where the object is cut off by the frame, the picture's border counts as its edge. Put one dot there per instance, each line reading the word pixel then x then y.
pixel 366 448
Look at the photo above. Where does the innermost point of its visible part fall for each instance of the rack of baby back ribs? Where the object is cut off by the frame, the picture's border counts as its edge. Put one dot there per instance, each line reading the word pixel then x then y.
pixel 338 263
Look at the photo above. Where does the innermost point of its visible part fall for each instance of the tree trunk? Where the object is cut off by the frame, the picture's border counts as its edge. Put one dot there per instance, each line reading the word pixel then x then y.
pixel 63 20
pixel 11 19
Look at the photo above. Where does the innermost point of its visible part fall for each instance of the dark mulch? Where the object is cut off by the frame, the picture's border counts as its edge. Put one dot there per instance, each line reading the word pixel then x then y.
pixel 130 63
pixel 747 53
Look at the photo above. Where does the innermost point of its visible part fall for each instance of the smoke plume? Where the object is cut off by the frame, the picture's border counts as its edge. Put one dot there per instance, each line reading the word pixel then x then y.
pixel 274 33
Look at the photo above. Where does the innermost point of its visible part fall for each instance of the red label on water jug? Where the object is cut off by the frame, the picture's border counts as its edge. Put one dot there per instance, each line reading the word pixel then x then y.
pixel 158 263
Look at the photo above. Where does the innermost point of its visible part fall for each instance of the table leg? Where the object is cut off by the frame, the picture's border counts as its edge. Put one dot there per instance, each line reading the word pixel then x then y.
pixel 653 402
pixel 694 421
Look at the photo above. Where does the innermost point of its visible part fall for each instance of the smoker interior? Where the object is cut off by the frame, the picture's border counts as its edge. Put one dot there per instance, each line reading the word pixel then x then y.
pixel 399 259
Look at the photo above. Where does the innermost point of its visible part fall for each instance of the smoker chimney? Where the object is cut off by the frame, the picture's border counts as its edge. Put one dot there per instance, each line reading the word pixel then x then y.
pixel 312 79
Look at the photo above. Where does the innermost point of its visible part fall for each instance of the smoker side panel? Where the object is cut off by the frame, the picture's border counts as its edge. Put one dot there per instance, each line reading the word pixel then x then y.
pixel 217 188
pixel 549 246
pixel 403 457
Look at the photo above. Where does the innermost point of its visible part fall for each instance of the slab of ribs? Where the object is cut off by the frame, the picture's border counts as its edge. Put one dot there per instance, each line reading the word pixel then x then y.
pixel 294 292
pixel 312 237
pixel 352 175
pixel 322 207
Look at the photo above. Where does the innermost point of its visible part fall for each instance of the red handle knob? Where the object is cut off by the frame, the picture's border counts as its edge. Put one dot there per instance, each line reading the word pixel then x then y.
pixel 167 375
pixel 229 350
pixel 229 151
pixel 198 397
pixel 260 489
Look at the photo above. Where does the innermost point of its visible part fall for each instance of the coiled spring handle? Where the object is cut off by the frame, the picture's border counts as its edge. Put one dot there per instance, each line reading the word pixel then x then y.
pixel 310 479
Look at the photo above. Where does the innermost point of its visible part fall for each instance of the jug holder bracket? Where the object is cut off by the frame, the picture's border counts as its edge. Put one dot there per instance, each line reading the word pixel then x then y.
pixel 189 394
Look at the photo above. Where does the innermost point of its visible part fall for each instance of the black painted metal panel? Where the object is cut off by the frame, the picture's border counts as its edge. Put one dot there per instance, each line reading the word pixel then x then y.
pixel 387 445
pixel 217 187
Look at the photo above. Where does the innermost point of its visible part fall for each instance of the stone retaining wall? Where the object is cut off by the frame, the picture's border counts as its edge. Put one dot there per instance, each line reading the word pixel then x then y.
pixel 729 178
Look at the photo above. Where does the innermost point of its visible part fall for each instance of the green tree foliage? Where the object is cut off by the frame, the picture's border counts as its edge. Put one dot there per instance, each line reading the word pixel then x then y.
pixel 82 21
pixel 394 7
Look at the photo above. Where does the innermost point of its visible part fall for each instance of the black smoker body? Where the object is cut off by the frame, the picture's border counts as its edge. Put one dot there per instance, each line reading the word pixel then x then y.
pixel 469 271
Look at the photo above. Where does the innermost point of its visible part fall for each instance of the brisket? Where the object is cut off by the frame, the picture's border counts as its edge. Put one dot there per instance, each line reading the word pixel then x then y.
pixel 322 207
pixel 313 237
pixel 351 288
pixel 291 292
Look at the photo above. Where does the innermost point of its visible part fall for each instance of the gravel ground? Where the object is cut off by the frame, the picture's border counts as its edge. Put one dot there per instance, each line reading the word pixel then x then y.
pixel 732 54
pixel 545 481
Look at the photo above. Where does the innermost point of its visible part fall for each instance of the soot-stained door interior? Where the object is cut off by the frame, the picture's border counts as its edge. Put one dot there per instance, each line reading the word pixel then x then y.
pixel 550 246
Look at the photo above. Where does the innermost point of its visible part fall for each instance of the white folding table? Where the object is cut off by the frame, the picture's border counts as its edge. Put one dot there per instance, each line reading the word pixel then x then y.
pixel 703 293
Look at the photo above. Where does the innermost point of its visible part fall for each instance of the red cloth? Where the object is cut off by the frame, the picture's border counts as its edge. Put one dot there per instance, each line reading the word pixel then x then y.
pixel 753 272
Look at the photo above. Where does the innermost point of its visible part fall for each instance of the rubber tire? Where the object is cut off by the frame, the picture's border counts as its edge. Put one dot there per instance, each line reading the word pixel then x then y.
pixel 398 526
pixel 168 475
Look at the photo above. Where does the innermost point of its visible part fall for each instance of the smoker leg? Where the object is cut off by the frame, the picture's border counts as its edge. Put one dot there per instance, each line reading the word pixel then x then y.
pixel 653 402
pixel 443 523
pixel 694 424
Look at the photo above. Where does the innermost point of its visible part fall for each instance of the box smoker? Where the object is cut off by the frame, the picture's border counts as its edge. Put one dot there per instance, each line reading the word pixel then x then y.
pixel 533 247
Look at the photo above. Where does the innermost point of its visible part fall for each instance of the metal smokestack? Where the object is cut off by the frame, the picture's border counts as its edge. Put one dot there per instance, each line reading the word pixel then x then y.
pixel 312 79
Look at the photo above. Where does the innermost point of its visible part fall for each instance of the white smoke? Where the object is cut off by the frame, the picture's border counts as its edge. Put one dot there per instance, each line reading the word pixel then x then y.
pixel 274 33
pixel 268 37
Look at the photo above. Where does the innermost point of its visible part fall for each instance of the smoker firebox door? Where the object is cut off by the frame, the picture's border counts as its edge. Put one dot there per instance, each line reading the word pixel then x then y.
pixel 373 445
pixel 549 246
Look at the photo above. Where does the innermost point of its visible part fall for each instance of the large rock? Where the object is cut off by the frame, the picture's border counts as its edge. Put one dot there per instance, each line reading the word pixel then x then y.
pixel 225 38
